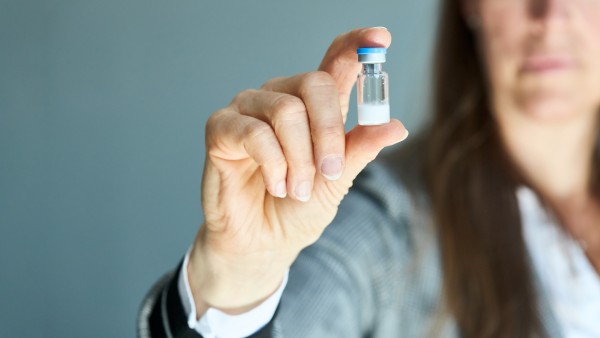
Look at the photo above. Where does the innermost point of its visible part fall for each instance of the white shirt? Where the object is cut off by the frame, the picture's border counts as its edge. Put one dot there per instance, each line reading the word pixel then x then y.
pixel 218 324
pixel 567 276
pixel 569 280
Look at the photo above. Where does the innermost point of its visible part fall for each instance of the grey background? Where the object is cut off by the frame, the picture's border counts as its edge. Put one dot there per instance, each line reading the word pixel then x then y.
pixel 102 107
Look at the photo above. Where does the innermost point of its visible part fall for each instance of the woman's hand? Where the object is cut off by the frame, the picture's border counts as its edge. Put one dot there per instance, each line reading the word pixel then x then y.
pixel 278 165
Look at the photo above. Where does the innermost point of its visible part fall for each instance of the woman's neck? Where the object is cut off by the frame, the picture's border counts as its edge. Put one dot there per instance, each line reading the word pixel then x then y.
pixel 556 158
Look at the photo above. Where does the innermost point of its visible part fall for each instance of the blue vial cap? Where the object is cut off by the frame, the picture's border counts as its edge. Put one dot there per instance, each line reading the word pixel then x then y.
pixel 371 50
pixel 371 55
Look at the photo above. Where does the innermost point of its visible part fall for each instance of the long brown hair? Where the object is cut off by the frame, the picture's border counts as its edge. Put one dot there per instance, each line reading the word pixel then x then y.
pixel 488 283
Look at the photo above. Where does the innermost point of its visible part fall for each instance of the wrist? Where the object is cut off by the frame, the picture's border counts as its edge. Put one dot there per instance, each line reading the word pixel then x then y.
pixel 232 285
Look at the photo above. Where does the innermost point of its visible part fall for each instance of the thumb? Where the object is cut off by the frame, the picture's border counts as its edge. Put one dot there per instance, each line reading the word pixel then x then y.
pixel 363 143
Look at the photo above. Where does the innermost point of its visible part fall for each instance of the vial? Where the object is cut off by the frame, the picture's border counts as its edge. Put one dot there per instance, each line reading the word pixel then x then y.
pixel 372 88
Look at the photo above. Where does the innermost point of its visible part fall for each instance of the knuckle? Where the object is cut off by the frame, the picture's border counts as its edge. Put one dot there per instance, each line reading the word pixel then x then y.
pixel 213 121
pixel 285 104
pixel 270 83
pixel 306 166
pixel 275 161
pixel 258 131
pixel 330 132
pixel 288 111
pixel 217 129
pixel 295 122
pixel 318 78
pixel 243 96
pixel 340 38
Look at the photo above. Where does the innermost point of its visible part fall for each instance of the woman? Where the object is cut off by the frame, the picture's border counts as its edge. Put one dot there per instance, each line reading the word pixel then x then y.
pixel 485 225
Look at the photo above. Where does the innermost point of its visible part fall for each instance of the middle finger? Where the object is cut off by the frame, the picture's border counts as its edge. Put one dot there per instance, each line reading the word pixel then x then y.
pixel 319 92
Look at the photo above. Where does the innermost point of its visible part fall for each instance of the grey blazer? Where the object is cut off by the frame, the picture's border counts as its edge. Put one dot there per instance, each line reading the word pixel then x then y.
pixel 375 272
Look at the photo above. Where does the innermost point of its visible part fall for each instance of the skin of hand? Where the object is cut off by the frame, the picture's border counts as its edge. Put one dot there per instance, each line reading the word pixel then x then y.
pixel 278 165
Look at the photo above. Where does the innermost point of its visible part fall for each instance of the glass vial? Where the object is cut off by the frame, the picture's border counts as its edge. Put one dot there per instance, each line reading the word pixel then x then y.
pixel 372 88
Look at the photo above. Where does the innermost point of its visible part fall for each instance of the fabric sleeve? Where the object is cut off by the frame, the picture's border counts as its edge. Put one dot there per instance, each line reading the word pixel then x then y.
pixel 162 314
pixel 342 284
pixel 215 323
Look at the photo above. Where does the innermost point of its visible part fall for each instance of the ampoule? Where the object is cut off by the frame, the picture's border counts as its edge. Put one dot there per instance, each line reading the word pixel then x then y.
pixel 372 88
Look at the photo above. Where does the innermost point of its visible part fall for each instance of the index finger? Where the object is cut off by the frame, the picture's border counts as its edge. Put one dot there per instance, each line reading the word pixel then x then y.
pixel 341 62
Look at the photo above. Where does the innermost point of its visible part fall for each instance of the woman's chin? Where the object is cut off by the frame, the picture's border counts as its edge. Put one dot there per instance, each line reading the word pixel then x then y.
pixel 551 108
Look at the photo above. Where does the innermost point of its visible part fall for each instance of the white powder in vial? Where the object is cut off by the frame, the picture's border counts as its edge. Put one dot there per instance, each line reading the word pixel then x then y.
pixel 370 114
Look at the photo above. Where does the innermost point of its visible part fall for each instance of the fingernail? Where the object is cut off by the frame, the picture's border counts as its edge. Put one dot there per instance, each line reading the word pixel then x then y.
pixel 331 167
pixel 402 139
pixel 303 191
pixel 280 190
pixel 379 27
pixel 405 136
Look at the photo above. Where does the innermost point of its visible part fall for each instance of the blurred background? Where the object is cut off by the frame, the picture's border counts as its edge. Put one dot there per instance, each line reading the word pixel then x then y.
pixel 102 112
